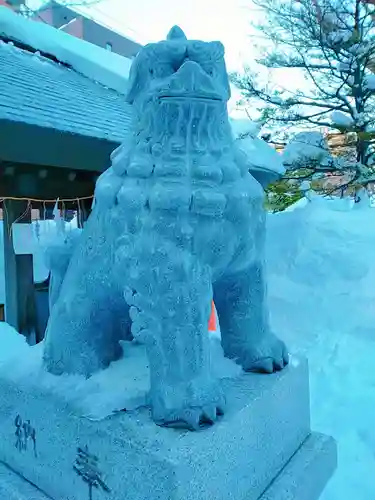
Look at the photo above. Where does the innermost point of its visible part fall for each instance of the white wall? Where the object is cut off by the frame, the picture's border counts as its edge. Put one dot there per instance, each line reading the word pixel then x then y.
pixel 48 232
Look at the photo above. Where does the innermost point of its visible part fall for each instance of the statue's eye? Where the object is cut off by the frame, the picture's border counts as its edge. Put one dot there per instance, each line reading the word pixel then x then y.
pixel 208 68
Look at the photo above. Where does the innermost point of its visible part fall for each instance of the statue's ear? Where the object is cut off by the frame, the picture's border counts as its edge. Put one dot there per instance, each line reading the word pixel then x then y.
pixel 136 81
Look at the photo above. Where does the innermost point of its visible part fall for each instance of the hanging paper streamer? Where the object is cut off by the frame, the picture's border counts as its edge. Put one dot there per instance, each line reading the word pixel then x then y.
pixel 23 239
pixel 59 221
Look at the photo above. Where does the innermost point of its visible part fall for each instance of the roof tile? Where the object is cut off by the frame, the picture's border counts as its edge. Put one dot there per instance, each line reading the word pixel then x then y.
pixel 38 91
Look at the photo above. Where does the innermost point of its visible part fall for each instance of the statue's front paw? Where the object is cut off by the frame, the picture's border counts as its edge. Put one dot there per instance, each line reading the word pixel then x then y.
pixel 190 410
pixel 267 356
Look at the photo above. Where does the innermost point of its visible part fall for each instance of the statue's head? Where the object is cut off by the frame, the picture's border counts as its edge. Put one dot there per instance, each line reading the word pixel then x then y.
pixel 178 68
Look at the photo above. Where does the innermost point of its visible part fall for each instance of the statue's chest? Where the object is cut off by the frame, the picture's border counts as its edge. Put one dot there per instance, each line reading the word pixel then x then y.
pixel 189 194
pixel 185 185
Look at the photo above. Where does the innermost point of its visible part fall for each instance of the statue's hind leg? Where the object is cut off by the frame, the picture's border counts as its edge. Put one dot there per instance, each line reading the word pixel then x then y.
pixel 170 296
pixel 85 326
pixel 240 301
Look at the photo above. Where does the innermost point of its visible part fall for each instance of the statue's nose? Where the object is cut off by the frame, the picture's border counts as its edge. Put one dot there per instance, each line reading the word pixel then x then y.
pixel 192 78
pixel 188 65
pixel 192 71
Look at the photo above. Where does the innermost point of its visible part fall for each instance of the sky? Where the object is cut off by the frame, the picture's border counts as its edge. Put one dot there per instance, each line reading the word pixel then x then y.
pixel 226 20
pixel 150 20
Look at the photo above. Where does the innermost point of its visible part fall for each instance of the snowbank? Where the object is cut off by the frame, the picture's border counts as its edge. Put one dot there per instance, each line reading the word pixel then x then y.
pixel 12 344
pixel 322 301
pixel 100 65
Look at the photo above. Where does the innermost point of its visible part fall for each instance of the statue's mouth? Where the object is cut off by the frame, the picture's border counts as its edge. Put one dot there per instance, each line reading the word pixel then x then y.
pixel 190 97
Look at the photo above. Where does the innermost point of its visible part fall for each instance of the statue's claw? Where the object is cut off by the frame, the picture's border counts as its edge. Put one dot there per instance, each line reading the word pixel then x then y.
pixel 199 414
pixel 192 418
pixel 269 356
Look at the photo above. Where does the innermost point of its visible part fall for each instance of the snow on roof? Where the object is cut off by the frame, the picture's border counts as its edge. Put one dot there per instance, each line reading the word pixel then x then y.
pixel 100 65
pixel 306 146
pixel 36 91
pixel 261 155
pixel 342 120
pixel 370 82
pixel 244 126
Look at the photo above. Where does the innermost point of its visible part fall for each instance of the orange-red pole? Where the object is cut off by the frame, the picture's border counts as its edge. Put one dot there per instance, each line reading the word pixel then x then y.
pixel 212 321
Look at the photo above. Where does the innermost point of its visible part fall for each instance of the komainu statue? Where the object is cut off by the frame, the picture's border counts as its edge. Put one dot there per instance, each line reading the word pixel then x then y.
pixel 178 221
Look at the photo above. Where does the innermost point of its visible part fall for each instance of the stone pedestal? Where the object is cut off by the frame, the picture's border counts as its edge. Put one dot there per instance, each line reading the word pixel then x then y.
pixel 15 487
pixel 261 449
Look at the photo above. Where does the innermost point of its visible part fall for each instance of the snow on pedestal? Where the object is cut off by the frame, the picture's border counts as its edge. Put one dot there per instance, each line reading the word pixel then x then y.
pixel 98 396
pixel 130 458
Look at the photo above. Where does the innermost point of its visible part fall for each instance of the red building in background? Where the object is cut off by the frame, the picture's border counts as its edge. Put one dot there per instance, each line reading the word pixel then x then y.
pixel 76 24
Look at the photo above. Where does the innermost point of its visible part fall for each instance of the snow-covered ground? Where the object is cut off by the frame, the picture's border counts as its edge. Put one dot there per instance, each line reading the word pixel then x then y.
pixel 322 301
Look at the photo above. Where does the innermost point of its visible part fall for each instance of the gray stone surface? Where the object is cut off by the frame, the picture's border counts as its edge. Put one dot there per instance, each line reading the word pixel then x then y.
pixel 308 471
pixel 15 487
pixel 266 422
pixel 303 478
pixel 178 221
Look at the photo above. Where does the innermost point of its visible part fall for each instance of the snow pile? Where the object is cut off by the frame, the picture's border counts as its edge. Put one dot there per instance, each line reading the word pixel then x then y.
pixel 337 27
pixel 339 37
pixel 342 120
pixel 260 155
pixel 304 147
pixel 242 127
pixel 100 65
pixel 370 82
pixel 11 343
pixel 322 301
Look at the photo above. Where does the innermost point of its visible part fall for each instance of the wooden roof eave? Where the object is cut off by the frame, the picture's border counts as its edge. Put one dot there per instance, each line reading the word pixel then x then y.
pixel 32 144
